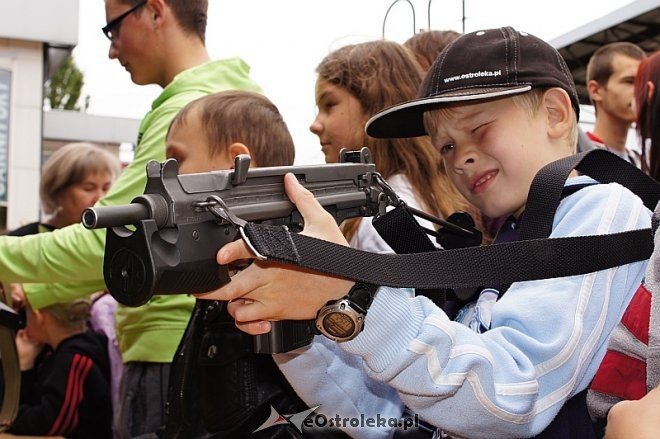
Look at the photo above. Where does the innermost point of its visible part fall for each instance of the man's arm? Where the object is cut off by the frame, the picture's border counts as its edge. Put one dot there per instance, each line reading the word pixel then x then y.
pixel 42 295
pixel 75 253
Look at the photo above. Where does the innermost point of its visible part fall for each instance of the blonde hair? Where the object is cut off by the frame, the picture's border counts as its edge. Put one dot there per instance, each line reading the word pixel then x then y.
pixel 380 74
pixel 528 102
pixel 69 165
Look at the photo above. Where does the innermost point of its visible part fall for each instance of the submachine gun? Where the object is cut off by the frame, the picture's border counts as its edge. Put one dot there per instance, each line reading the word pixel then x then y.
pixel 166 240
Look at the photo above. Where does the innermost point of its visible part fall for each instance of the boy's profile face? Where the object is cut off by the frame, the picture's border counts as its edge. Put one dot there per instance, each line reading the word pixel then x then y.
pixel 492 151
pixel 34 325
pixel 188 144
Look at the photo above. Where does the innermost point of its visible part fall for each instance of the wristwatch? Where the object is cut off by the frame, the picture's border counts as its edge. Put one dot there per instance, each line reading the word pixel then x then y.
pixel 343 319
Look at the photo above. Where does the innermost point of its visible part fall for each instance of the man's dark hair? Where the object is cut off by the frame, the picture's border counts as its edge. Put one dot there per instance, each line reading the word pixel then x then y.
pixel 191 14
pixel 599 68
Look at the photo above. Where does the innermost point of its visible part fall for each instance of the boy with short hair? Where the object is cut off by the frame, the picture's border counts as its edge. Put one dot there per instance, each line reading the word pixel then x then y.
pixel 68 394
pixel 499 105
pixel 209 132
pixel 207 393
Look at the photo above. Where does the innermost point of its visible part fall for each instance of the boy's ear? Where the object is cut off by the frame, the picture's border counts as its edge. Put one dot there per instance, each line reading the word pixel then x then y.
pixel 559 112
pixel 593 88
pixel 38 316
pixel 237 148
pixel 155 10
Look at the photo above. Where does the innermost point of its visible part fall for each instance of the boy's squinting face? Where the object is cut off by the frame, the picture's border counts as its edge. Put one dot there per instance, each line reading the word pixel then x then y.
pixel 340 120
pixel 492 151
pixel 188 144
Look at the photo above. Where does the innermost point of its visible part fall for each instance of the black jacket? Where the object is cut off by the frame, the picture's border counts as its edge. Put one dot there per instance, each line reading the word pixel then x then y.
pixel 69 393
pixel 219 389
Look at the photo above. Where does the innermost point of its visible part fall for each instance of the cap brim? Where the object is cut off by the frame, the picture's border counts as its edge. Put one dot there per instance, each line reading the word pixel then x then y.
pixel 407 119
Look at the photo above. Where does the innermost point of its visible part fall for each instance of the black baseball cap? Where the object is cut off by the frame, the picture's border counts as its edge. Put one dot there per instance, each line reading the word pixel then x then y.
pixel 477 66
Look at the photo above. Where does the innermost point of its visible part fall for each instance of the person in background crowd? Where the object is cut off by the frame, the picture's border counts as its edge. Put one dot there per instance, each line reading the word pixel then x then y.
pixel 610 76
pixel 426 45
pixel 68 394
pixel 647 113
pixel 622 392
pixel 74 177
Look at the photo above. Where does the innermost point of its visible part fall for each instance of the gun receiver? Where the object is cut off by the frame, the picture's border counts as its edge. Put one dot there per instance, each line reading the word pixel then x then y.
pixel 177 226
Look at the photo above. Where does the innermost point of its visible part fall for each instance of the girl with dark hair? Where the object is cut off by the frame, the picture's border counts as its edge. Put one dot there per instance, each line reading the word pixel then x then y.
pixel 647 113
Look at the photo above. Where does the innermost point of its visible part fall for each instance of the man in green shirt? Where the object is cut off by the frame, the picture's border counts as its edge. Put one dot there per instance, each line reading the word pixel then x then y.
pixel 158 42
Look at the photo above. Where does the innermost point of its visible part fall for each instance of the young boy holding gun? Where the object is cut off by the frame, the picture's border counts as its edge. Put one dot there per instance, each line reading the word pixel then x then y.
pixel 213 373
pixel 520 366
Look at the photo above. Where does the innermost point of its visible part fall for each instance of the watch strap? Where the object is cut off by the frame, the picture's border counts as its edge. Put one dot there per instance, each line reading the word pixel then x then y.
pixel 361 295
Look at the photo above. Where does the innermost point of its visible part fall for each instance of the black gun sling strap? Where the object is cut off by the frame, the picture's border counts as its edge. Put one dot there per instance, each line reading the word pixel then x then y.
pixel 536 256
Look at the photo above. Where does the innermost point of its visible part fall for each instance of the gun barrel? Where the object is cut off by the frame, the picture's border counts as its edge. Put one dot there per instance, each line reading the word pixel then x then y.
pixel 113 216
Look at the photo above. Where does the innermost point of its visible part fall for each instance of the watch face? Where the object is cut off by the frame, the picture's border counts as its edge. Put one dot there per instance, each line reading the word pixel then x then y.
pixel 339 324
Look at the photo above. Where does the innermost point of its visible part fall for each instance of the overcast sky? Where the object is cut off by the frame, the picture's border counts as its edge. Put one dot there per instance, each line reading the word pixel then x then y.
pixel 284 40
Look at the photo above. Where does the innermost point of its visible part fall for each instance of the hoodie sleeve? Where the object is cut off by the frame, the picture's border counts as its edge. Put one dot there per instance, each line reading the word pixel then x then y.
pixel 546 340
pixel 327 377
pixel 545 343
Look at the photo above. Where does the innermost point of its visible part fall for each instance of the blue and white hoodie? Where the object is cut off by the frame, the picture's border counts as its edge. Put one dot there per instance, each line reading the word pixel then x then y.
pixel 544 345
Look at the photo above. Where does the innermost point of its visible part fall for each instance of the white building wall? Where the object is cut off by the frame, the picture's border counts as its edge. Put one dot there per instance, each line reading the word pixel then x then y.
pixel 24 60
pixel 48 21
pixel 26 28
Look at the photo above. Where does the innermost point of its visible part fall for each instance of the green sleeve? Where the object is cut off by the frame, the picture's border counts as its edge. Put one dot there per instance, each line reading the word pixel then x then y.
pixel 74 252
pixel 42 295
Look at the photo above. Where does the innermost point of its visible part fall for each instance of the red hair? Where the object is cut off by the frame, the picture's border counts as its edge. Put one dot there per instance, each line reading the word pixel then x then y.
pixel 648 113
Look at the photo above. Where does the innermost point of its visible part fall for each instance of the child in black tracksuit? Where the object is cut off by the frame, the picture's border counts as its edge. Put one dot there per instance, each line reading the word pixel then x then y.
pixel 68 394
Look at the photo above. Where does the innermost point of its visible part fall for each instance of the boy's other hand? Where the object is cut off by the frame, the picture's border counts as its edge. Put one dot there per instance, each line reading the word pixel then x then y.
pixel 638 419
pixel 27 348
pixel 17 296
pixel 269 291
